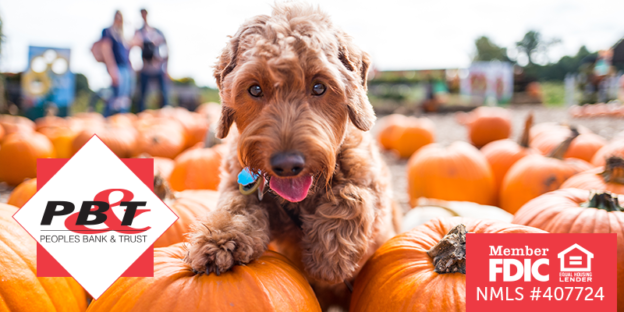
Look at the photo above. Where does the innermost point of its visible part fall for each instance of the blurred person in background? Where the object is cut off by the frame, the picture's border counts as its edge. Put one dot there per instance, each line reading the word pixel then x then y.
pixel 155 55
pixel 116 51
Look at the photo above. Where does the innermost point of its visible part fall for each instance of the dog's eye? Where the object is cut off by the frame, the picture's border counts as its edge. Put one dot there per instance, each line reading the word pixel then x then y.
pixel 318 89
pixel 255 91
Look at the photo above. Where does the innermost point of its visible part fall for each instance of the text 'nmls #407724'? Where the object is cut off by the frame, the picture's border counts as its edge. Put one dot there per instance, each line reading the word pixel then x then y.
pixel 96 217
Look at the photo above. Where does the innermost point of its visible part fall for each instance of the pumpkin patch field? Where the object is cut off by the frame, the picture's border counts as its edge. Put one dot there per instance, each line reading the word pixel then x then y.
pixel 522 169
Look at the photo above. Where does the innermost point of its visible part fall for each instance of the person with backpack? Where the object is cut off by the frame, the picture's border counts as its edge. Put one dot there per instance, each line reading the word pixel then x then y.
pixel 155 55
pixel 113 50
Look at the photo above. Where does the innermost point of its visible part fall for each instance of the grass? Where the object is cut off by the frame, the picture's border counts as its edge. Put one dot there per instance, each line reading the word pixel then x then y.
pixel 553 93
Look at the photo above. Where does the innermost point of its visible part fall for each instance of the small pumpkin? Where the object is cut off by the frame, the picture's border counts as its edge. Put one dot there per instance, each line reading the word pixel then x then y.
pixel 121 140
pixel 614 148
pixel 579 211
pixel 502 154
pixel 162 140
pixel 429 209
pixel 21 289
pixel 458 172
pixel 547 136
pixel 197 169
pixel 269 283
pixel 609 178
pixel 18 156
pixel 405 135
pixel 488 124
pixel 62 138
pixel 424 282
pixel 23 193
pixel 535 175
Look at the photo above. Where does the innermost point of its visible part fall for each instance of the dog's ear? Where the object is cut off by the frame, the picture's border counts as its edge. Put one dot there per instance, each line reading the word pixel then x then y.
pixel 226 64
pixel 360 110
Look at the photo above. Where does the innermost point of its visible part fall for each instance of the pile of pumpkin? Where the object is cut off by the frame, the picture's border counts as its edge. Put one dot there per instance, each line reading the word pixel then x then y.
pixel 554 174
pixel 614 109
pixel 557 178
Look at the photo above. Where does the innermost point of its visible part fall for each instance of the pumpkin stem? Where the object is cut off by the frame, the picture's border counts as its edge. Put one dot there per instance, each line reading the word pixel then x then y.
pixel 528 123
pixel 614 170
pixel 161 187
pixel 603 200
pixel 449 255
pixel 562 148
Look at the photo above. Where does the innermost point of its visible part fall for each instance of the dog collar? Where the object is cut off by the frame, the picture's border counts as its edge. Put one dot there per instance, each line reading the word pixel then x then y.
pixel 250 182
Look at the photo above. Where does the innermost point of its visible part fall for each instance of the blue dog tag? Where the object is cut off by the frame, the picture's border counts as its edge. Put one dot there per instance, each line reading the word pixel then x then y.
pixel 246 177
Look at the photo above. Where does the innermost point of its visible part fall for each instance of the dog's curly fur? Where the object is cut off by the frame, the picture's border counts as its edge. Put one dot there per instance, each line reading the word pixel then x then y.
pixel 348 212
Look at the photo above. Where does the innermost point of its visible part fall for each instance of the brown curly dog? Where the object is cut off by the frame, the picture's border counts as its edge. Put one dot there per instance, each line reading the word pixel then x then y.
pixel 295 86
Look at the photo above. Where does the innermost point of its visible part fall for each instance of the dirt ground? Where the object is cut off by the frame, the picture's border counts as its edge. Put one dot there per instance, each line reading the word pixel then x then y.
pixel 448 130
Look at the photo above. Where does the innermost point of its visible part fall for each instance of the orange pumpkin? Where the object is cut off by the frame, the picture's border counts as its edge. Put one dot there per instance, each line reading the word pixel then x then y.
pixel 535 175
pixel 62 138
pixel 389 125
pixel 197 169
pixel 502 154
pixel 12 124
pixel 270 283
pixel 546 137
pixel 50 122
pixel 585 146
pixel 187 205
pixel 23 193
pixel 21 289
pixel 609 178
pixel 1 133
pixel 412 134
pixel 579 211
pixel 162 140
pixel 414 280
pixel 18 156
pixel 458 173
pixel 487 124
pixel 121 140
pixel 614 148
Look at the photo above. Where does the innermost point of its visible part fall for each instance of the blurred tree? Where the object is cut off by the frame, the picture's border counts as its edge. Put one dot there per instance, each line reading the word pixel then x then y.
pixel 557 71
pixel 489 51
pixel 533 43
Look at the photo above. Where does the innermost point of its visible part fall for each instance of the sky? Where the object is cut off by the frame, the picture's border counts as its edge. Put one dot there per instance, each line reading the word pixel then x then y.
pixel 399 34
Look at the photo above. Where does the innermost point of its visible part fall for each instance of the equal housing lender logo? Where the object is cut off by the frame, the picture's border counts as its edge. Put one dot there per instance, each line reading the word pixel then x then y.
pixel 95 217
pixel 541 272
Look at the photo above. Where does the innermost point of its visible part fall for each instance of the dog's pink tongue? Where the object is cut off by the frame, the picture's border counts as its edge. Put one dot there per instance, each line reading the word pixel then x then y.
pixel 294 189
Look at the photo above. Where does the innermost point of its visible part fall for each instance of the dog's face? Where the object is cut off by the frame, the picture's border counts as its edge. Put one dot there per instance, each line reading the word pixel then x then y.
pixel 291 82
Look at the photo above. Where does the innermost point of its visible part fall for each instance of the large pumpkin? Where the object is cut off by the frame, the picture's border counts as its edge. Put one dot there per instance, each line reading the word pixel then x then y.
pixel 21 289
pixel 614 148
pixel 579 211
pixel 535 175
pixel 18 156
pixel 608 178
pixel 488 124
pixel 502 154
pixel 270 283
pixel 414 281
pixel 197 169
pixel 188 205
pixel 458 172
pixel 23 193
pixel 405 135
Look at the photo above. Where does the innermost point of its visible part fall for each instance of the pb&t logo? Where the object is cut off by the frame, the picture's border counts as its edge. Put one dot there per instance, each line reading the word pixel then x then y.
pixel 95 219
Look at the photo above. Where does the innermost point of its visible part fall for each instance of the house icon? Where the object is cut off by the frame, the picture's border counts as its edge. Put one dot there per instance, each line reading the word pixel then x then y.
pixel 575 259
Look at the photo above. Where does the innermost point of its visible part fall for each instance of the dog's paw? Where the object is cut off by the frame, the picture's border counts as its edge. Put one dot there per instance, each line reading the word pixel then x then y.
pixel 216 251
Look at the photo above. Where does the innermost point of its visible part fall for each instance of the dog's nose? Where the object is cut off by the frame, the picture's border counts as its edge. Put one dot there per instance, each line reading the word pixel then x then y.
pixel 287 164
